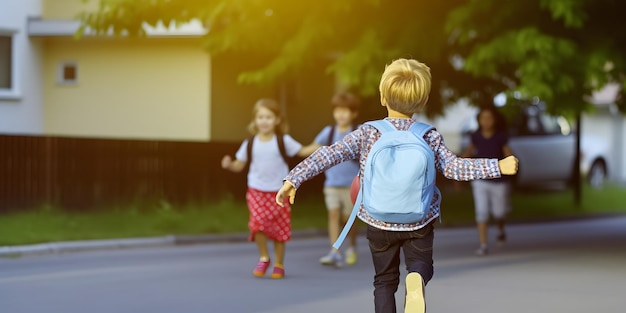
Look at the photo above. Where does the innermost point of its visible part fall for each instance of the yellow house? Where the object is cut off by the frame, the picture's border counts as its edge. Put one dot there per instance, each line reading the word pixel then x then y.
pixel 160 87
pixel 171 110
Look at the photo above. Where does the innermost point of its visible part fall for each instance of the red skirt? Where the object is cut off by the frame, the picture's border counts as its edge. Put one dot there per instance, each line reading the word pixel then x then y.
pixel 268 217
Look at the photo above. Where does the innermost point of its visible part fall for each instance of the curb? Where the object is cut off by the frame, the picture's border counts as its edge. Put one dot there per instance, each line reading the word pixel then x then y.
pixel 84 245
pixel 179 240
pixel 149 242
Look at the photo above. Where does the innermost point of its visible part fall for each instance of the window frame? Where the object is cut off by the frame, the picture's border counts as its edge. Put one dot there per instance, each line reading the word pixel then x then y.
pixel 61 80
pixel 12 92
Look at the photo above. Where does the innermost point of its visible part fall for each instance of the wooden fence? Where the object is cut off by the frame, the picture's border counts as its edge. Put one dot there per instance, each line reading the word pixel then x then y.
pixel 84 174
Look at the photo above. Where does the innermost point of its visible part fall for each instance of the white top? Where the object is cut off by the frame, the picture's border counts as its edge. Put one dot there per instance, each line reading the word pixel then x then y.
pixel 268 167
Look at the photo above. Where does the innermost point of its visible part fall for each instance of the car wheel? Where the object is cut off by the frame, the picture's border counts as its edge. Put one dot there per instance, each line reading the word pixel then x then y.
pixel 597 174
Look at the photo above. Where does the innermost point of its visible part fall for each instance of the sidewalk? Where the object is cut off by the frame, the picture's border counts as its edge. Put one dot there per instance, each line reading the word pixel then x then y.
pixel 129 243
pixel 173 240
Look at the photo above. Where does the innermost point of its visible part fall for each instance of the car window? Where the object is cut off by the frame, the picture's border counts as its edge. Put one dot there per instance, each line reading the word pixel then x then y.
pixel 554 125
pixel 534 126
pixel 527 124
pixel 532 121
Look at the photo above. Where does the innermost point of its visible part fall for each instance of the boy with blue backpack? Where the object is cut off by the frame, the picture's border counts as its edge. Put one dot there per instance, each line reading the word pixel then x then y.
pixel 398 199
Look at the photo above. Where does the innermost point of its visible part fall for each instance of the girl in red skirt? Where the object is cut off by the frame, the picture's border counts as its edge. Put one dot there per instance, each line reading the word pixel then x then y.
pixel 268 167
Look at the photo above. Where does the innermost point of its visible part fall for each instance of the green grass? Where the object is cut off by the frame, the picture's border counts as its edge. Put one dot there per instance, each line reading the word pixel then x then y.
pixel 48 224
pixel 528 206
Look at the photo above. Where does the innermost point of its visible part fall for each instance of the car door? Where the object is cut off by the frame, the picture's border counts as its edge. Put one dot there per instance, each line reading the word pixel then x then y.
pixel 544 148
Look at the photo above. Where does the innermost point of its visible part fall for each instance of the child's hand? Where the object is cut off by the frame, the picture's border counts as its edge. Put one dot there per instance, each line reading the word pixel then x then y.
pixel 226 162
pixel 508 165
pixel 287 190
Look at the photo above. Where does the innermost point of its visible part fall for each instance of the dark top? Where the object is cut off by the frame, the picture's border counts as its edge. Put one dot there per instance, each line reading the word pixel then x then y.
pixel 490 148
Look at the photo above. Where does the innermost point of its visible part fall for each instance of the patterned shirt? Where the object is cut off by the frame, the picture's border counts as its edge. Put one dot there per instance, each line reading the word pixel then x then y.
pixel 357 145
pixel 340 175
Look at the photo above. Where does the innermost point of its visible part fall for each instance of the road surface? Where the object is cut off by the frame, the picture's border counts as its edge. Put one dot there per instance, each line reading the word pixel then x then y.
pixel 573 266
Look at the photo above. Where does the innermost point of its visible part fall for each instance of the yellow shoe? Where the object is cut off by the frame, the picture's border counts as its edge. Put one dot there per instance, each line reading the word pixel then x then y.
pixel 351 256
pixel 414 301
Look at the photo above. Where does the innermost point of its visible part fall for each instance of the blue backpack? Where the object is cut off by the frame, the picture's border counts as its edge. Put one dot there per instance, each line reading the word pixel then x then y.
pixel 398 181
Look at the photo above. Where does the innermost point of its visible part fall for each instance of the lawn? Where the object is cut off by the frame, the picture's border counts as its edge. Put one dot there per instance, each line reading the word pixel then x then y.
pixel 49 224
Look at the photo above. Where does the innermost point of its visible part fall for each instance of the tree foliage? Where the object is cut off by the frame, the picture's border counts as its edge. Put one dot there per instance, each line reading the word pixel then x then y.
pixel 358 36
pixel 558 50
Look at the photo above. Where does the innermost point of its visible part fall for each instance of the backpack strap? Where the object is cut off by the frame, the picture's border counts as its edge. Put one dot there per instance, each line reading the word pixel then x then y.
pixel 331 135
pixel 420 128
pixel 250 139
pixel 382 125
pixel 281 147
pixel 249 149
pixel 349 223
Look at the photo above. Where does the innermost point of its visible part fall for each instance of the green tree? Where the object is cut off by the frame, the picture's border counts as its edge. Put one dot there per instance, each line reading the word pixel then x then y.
pixel 358 36
pixel 557 50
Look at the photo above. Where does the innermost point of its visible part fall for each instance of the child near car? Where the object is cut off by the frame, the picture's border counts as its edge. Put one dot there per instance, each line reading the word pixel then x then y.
pixel 404 89
pixel 491 197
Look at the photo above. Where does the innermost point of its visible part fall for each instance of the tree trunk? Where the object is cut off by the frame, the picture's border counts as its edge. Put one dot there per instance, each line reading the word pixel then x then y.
pixel 577 179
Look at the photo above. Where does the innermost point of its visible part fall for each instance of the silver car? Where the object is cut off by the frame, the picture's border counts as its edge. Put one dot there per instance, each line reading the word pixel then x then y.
pixel 545 147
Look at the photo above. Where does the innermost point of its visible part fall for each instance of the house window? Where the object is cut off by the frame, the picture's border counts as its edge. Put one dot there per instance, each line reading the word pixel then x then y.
pixel 67 73
pixel 6 62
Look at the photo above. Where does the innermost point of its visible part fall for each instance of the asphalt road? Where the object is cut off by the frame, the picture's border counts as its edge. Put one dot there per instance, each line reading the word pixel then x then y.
pixel 574 266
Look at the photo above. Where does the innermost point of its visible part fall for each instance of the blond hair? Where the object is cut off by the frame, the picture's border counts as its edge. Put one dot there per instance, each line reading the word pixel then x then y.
pixel 273 106
pixel 405 85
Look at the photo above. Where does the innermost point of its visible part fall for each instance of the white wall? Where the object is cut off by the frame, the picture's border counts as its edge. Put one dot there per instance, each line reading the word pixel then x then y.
pixel 21 110
pixel 128 88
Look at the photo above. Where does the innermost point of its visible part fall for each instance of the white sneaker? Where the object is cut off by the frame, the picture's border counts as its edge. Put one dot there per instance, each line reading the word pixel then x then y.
pixel 333 258
pixel 483 250
pixel 414 300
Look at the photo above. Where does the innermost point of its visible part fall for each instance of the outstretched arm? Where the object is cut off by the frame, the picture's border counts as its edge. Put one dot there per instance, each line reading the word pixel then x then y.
pixel 287 190
pixel 325 157
pixel 508 165
pixel 232 165
pixel 305 151
pixel 466 169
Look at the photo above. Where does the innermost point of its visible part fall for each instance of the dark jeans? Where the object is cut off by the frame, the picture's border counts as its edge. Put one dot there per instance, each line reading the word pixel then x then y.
pixel 417 247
